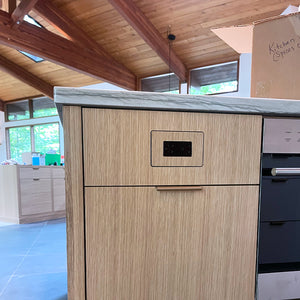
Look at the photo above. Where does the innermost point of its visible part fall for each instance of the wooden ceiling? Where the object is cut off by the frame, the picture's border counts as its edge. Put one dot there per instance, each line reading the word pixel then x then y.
pixel 119 41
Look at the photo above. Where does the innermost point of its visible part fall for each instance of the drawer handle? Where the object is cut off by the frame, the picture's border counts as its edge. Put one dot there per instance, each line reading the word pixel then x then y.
pixel 279 179
pixel 277 223
pixel 285 171
pixel 36 179
pixel 165 188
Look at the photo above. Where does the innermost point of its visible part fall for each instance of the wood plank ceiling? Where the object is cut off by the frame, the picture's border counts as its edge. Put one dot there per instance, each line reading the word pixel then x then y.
pixel 119 41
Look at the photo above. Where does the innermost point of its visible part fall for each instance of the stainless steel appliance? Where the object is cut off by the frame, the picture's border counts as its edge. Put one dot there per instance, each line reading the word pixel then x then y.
pixel 279 230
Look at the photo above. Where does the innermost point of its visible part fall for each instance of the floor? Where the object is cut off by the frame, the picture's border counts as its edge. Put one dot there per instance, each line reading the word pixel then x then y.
pixel 33 261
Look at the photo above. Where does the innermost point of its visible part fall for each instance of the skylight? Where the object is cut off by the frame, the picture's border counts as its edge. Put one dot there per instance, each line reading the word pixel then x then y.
pixel 32 21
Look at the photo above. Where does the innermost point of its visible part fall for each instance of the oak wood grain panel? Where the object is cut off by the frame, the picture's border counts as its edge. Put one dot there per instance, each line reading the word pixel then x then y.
pixel 74 202
pixel 117 148
pixel 147 244
pixel 35 196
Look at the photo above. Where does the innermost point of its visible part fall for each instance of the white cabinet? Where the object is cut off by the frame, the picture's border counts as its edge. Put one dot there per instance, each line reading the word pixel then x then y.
pixel 31 193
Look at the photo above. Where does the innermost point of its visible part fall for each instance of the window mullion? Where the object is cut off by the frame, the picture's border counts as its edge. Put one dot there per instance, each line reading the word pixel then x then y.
pixel 32 139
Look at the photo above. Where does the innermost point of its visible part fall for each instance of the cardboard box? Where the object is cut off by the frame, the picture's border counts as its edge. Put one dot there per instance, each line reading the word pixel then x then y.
pixel 275 47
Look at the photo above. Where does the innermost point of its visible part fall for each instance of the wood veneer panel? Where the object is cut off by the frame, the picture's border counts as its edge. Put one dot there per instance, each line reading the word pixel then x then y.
pixel 149 244
pixel 74 202
pixel 118 150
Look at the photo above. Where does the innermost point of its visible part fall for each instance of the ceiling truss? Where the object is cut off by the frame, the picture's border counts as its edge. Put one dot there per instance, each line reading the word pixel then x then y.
pixel 78 51
pixel 26 77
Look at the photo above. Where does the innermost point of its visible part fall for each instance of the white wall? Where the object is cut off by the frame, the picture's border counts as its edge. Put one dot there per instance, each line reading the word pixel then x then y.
pixel 244 87
pixel 104 86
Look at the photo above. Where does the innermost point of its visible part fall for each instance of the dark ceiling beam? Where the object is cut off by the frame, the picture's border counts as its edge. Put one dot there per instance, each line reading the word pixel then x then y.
pixel 67 27
pixel 23 75
pixel 59 50
pixel 9 5
pixel 136 18
pixel 21 10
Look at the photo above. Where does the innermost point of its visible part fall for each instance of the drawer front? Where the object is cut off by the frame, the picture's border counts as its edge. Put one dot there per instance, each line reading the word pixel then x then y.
pixel 58 172
pixel 279 243
pixel 36 196
pixel 59 200
pixel 280 199
pixel 144 243
pixel 125 147
pixel 34 173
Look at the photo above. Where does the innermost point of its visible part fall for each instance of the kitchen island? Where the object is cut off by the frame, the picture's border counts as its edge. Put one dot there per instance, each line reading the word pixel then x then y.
pixel 163 193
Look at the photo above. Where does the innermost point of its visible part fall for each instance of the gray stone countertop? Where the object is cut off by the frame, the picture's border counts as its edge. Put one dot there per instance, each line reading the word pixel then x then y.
pixel 173 102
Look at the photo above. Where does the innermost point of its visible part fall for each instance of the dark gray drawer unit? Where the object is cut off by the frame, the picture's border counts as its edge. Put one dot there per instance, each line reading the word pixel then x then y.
pixel 279 231
pixel 279 242
pixel 280 199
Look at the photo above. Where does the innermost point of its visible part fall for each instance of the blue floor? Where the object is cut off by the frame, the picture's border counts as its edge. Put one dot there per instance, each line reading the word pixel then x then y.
pixel 33 261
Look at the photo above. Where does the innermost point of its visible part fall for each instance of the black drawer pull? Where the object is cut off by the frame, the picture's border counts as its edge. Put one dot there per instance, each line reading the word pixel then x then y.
pixel 279 179
pixel 277 223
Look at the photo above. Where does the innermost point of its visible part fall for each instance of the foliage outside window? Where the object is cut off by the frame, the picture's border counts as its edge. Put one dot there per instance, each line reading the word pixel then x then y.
pixel 32 108
pixel 215 79
pixel 19 142
pixel 37 138
pixel 46 137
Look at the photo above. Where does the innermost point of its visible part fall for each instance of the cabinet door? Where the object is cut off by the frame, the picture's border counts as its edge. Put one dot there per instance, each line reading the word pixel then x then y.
pixel 59 200
pixel 36 196
pixel 125 147
pixel 142 243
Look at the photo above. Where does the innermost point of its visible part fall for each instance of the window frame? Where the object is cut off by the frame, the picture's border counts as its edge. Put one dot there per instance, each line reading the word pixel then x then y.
pixel 214 65
pixel 30 107
pixel 32 142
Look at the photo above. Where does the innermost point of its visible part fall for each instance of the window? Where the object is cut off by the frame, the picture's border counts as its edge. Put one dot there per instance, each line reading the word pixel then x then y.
pixel 43 107
pixel 216 79
pixel 46 137
pixel 17 110
pixel 37 138
pixel 32 108
pixel 30 136
pixel 19 141
pixel 161 83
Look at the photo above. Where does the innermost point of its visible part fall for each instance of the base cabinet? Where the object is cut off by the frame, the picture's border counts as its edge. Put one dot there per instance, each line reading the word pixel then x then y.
pixel 161 205
pixel 142 243
pixel 31 193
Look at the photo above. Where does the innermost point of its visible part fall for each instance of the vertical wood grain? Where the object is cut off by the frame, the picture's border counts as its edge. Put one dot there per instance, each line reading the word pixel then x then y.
pixel 74 202
pixel 146 244
pixel 120 143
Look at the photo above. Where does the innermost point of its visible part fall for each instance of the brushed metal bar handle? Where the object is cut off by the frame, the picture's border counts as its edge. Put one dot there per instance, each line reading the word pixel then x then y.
pixel 166 188
pixel 285 171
